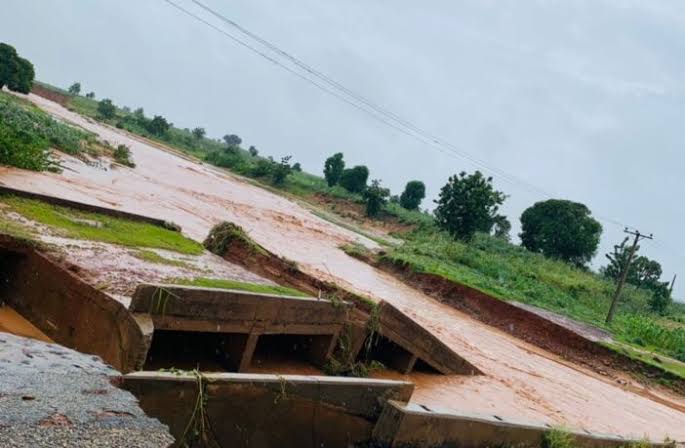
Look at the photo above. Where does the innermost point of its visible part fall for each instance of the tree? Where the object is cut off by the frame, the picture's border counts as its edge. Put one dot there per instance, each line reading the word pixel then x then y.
pixel 90 95
pixel 642 272
pixel 413 194
pixel 502 227
pixel 16 72
pixel 354 179
pixel 106 109
pixel 253 151
pixel 333 169
pixel 280 171
pixel 561 229
pixel 199 133
pixel 75 88
pixel 375 197
pixel 467 204
pixel 297 167
pixel 232 140
pixel 661 298
pixel 158 125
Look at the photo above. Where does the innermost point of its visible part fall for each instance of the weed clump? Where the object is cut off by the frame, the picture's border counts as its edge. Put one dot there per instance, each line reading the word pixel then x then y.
pixel 225 235
pixel 123 156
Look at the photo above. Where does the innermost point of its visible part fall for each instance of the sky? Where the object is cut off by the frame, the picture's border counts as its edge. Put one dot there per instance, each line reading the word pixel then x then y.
pixel 583 99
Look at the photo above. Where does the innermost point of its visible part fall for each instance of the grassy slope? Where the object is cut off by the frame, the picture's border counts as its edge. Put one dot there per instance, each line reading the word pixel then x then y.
pixel 495 267
pixel 241 286
pixel 92 226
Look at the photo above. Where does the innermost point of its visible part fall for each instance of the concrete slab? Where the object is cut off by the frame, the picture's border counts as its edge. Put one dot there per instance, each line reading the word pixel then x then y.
pixel 270 410
pixel 52 396
pixel 413 425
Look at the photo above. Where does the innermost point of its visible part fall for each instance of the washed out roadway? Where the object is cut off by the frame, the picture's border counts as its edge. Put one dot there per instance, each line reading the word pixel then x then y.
pixel 520 381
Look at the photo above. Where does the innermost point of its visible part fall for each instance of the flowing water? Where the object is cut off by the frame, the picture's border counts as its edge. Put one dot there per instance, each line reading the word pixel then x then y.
pixel 520 381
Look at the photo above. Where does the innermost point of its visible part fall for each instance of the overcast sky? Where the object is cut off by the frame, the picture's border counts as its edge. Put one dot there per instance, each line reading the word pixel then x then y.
pixel 583 99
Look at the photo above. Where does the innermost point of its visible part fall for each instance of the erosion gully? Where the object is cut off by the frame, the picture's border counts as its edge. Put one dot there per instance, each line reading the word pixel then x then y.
pixel 519 380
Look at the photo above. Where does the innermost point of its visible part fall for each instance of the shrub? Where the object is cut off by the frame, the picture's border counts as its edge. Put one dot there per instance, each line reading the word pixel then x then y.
pixel 123 155
pixel 468 203
pixel 561 229
pixel 75 88
pixel 199 133
pixel 280 171
pixel 375 198
pixel 253 151
pixel 16 72
pixel 333 169
pixel 158 126
pixel 354 179
pixel 106 109
pixel 90 95
pixel 412 195
pixel 232 140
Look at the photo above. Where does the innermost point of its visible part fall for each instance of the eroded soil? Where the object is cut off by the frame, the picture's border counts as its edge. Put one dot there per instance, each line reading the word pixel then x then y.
pixel 520 381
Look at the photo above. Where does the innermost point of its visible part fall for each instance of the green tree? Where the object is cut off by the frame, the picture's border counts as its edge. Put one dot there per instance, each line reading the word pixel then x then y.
pixel 90 95
pixel 354 179
pixel 253 151
pixel 199 133
pixel 502 228
pixel 642 272
pixel 297 167
pixel 16 72
pixel 375 198
pixel 413 194
pixel 280 171
pixel 232 140
pixel 75 88
pixel 561 229
pixel 333 169
pixel 467 204
pixel 158 126
pixel 661 298
pixel 106 109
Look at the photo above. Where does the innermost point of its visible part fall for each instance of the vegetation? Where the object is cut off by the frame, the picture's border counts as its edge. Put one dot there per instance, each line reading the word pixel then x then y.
pixel 375 197
pixel 16 73
pixel 106 109
pixel 413 194
pixel 561 229
pixel 27 135
pixel 75 88
pixel 123 156
pixel 93 226
pixel 333 169
pixel 354 179
pixel 241 286
pixel 154 257
pixel 468 203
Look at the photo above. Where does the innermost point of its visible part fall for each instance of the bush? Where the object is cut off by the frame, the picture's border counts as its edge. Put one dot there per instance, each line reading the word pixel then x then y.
pixel 333 169
pixel 412 195
pixel 75 88
pixel 468 204
pixel 199 133
pixel 253 151
pixel 158 126
pixel 106 109
pixel 561 229
pixel 16 72
pixel 280 171
pixel 375 198
pixel 123 155
pixel 354 179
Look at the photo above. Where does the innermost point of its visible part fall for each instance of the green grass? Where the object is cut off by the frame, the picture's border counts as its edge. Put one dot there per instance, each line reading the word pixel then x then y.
pixel 241 286
pixel 27 136
pixel 154 257
pixel 512 273
pixel 659 361
pixel 92 226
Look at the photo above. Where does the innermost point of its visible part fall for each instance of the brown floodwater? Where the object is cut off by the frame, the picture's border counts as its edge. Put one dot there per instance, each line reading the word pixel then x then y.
pixel 14 323
pixel 520 381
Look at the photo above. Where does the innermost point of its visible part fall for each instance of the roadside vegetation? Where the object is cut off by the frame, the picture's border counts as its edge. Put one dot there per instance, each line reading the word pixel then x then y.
pixel 78 224
pixel 465 239
pixel 240 286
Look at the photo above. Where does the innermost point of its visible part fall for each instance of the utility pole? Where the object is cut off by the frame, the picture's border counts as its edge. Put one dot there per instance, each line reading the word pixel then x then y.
pixel 673 284
pixel 614 301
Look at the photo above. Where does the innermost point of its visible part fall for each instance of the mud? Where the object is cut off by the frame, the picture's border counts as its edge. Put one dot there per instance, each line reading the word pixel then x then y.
pixel 14 323
pixel 520 380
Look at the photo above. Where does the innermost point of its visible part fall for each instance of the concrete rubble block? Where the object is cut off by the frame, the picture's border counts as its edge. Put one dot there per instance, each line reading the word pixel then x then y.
pixel 420 344
pixel 413 425
pixel 67 309
pixel 258 410
pixel 51 396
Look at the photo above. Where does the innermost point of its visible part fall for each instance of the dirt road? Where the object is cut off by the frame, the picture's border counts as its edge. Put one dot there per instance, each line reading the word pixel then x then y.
pixel 520 381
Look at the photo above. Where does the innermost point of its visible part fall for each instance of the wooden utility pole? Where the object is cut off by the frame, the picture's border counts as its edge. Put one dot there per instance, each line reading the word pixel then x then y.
pixel 673 284
pixel 614 301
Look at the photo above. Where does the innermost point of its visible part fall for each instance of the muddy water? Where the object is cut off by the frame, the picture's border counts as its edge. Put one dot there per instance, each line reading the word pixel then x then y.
pixel 520 381
pixel 14 323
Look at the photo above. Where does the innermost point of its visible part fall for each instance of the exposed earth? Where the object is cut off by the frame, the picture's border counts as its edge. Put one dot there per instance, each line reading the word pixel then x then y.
pixel 519 381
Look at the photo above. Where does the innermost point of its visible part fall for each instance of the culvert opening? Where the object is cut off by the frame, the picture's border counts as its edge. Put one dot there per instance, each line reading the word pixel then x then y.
pixel 290 352
pixel 185 350
pixel 10 262
pixel 388 353
pixel 422 366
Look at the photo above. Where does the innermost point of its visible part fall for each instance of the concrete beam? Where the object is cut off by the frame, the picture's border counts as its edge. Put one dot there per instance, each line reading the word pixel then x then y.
pixel 270 410
pixel 416 426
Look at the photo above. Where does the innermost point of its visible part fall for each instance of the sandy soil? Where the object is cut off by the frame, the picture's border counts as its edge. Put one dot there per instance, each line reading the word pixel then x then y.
pixel 520 381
